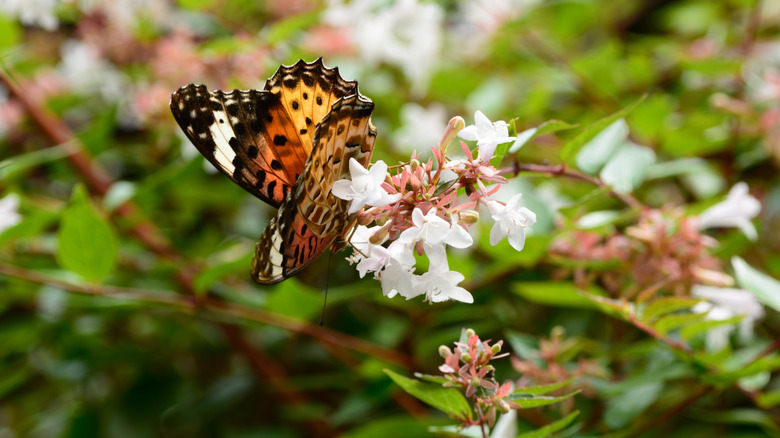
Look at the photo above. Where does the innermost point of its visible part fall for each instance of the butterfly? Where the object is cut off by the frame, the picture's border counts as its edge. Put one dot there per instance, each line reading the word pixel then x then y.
pixel 286 144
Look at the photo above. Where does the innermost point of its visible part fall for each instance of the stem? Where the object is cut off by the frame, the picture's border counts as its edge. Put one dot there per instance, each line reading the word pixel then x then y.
pixel 562 170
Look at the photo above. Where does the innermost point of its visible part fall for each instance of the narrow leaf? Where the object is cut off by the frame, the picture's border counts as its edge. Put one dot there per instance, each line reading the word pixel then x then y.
pixel 573 147
pixel 667 323
pixel 666 305
pixel 626 170
pixel 540 390
pixel 86 243
pixel 447 400
pixel 765 288
pixel 601 148
pixel 536 401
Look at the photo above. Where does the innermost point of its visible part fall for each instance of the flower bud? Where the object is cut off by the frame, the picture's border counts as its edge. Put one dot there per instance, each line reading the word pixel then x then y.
pixel 475 381
pixel 414 164
pixel 489 368
pixel 496 348
pixel 502 406
pixel 444 351
pixel 469 216
pixel 379 235
pixel 470 333
pixel 453 127
pixel 465 357
pixel 364 218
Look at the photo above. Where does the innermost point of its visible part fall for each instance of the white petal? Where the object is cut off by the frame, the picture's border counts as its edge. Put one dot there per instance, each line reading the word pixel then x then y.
pixel 459 237
pixel 356 169
pixel 460 294
pixel 517 238
pixel 469 133
pixel 482 121
pixel 343 189
pixel 497 233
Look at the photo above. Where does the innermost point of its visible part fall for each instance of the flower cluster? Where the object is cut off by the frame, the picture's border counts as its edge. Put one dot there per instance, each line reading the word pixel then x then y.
pixel 468 367
pixel 418 211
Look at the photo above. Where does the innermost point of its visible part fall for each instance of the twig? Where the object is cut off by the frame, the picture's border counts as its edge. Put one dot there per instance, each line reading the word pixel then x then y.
pixel 562 170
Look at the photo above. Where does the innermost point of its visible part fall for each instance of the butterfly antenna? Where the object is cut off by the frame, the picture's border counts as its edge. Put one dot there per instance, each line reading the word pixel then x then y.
pixel 327 283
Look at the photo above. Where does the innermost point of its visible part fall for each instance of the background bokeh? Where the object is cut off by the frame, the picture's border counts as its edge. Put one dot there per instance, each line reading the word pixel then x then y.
pixel 131 365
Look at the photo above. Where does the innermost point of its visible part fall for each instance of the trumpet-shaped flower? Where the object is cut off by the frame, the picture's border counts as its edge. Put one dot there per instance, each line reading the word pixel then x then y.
pixel 736 210
pixel 727 303
pixel 434 231
pixel 365 188
pixel 440 284
pixel 487 134
pixel 511 221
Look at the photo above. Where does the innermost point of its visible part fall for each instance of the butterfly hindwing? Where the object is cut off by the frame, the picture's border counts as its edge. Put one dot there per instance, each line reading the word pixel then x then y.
pixel 311 218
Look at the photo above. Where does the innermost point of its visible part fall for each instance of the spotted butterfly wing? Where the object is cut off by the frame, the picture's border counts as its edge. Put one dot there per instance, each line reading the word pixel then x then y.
pixel 285 144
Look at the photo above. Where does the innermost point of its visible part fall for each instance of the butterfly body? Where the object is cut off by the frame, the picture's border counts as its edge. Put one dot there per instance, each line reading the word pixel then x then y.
pixel 287 145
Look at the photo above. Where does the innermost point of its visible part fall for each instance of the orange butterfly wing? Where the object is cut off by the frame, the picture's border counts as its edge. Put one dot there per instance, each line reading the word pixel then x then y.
pixel 287 145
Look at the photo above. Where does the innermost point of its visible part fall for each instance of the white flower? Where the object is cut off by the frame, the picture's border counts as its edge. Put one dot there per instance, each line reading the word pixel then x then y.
pixel 434 231
pixel 396 279
pixel 727 303
pixel 32 12
pixel 487 135
pixel 365 188
pixel 406 33
pixel 440 284
pixel 736 210
pixel 511 220
pixel 9 212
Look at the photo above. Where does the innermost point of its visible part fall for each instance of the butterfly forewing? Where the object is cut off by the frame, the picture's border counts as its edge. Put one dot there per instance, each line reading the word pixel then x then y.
pixel 311 218
pixel 287 145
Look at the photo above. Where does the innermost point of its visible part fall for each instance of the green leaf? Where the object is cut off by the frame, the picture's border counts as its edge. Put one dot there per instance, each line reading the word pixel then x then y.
pixel 499 154
pixel 447 400
pixel 291 298
pixel 667 323
pixel 551 126
pixel 694 329
pixel 626 406
pixel 573 147
pixel 538 400
pixel 769 399
pixel 18 165
pixel 765 288
pixel 666 305
pixel 86 243
pixel 551 428
pixel 602 147
pixel 539 390
pixel 626 170
pixel 522 139
pixel 556 293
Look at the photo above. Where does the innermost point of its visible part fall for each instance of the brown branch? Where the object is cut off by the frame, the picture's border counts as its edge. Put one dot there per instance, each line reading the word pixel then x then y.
pixel 219 309
pixel 562 170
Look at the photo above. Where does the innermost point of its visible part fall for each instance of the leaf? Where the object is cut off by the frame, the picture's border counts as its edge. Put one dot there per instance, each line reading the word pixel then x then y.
pixel 626 406
pixel 672 322
pixel 694 329
pixel 574 146
pixel 556 293
pixel 447 400
pixel 538 400
pixel 207 277
pixel 550 428
pixel 765 288
pixel 18 165
pixel 539 390
pixel 626 170
pixel 86 243
pixel 666 305
pixel 597 219
pixel 602 147
pixel 292 299
pixel 522 139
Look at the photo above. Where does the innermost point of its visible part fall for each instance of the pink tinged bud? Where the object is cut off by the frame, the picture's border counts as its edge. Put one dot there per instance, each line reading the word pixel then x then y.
pixel 444 351
pixel 713 278
pixel 475 381
pixel 455 125
pixel 502 407
pixel 469 217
